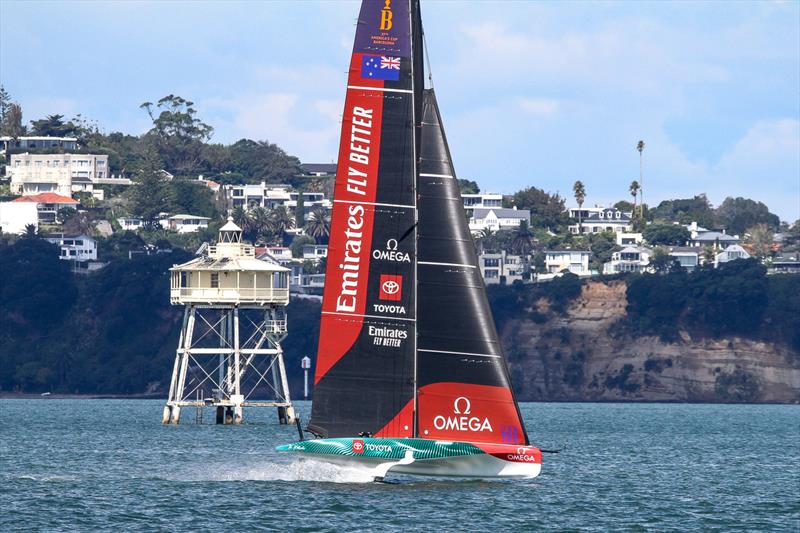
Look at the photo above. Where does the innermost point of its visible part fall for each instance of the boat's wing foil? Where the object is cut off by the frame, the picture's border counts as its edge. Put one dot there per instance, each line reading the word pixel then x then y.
pixel 424 457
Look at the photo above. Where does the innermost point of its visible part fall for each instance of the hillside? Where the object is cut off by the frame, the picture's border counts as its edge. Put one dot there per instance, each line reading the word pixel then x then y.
pixel 583 356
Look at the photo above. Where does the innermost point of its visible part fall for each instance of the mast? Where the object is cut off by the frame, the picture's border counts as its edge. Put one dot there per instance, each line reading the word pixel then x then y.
pixel 415 21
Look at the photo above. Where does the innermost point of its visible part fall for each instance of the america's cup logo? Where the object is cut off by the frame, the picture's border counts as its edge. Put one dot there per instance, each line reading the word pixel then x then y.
pixel 461 420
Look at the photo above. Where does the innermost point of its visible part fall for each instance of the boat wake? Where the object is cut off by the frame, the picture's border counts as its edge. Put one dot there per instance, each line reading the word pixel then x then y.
pixel 296 470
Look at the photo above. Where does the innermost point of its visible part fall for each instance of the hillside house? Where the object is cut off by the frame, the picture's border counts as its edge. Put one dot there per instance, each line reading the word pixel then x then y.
pixel 575 261
pixel 501 267
pixel 687 256
pixel 48 204
pixel 185 223
pixel 629 259
pixel 16 216
pixel 730 253
pixel 497 218
pixel 75 247
pixel 608 219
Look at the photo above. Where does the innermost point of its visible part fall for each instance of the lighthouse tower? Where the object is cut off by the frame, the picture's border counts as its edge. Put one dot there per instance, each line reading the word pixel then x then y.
pixel 229 354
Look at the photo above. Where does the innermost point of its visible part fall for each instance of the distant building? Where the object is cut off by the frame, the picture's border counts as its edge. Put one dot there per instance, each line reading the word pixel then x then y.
pixel 625 239
pixel 629 259
pixel 702 237
pixel 500 267
pixel 319 169
pixel 130 223
pixel 33 142
pixel 62 174
pixel 76 247
pixel 315 252
pixel 730 253
pixel 575 261
pixel 48 205
pixel 16 216
pixel 497 218
pixel 785 263
pixel 481 201
pixel 687 256
pixel 584 212
pixel 272 196
pixel 608 219
pixel 185 223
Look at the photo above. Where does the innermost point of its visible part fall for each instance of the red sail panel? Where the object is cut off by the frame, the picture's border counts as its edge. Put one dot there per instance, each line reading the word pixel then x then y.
pixel 464 389
pixel 365 360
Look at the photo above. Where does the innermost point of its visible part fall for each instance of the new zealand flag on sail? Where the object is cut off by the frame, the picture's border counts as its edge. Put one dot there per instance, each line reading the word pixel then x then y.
pixel 380 68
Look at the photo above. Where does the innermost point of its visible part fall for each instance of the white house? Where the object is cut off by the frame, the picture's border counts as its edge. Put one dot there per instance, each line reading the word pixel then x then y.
pixel 15 216
pixel 59 173
pixel 76 247
pixel 608 219
pixel 575 261
pixel 624 238
pixel 497 267
pixel 629 259
pixel 48 204
pixel 185 223
pixel 497 218
pixel 272 196
pixel 785 263
pixel 485 200
pixel 315 252
pixel 130 223
pixel 730 253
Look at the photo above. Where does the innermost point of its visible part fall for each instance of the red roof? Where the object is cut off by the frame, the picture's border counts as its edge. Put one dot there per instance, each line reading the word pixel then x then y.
pixel 47 198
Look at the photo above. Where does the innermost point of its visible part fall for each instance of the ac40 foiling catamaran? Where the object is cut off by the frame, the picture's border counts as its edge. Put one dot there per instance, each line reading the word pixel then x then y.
pixel 410 374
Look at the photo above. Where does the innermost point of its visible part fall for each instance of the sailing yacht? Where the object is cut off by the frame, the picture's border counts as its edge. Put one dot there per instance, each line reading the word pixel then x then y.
pixel 410 374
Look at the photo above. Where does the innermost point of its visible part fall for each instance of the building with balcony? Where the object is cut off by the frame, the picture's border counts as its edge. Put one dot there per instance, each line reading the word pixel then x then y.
pixel 48 204
pixel 75 247
pixel 629 259
pixel 501 267
pixel 497 218
pixel 62 174
pixel 272 196
pixel 315 252
pixel 481 201
pixel 608 219
pixel 229 272
pixel 185 223
pixel 575 261
pixel 35 142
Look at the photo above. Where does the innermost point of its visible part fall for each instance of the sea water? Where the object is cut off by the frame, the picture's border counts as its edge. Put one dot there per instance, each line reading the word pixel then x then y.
pixel 109 465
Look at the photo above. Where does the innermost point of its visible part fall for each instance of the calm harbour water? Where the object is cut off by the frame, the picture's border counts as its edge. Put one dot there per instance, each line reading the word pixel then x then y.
pixel 91 465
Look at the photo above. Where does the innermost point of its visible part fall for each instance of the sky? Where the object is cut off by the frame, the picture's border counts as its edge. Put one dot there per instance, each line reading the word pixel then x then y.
pixel 531 93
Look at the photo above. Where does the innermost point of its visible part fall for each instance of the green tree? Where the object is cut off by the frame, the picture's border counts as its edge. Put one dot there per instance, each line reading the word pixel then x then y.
pixel 190 197
pixel 686 210
pixel 280 221
pixel 666 234
pixel 53 126
pixel 148 194
pixel 5 103
pixel 633 189
pixel 177 134
pixel 738 214
pixel 547 210
pixel 760 239
pixel 580 195
pixel 260 161
pixel 300 210
pixel 12 123
pixel 468 187
pixel 297 244
pixel 318 225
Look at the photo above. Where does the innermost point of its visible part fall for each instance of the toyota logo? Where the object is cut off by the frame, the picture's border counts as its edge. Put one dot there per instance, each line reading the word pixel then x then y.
pixel 390 287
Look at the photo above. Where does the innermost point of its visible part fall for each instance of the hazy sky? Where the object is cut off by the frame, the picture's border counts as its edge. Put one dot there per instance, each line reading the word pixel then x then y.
pixel 531 93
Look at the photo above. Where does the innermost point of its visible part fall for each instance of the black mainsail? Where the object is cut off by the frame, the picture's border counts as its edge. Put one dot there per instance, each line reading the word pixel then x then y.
pixel 408 346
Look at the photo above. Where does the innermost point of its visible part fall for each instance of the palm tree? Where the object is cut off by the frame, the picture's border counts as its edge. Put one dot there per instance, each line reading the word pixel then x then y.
pixel 257 224
pixel 280 221
pixel 522 243
pixel 30 231
pixel 241 217
pixel 580 196
pixel 640 147
pixel 318 225
pixel 634 190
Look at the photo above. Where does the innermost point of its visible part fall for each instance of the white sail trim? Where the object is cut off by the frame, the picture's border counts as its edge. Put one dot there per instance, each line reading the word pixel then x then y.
pixel 424 175
pixel 457 353
pixel 374 203
pixel 445 264
pixel 382 89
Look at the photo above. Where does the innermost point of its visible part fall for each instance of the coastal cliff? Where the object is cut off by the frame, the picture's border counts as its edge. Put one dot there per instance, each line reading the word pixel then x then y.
pixel 584 355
